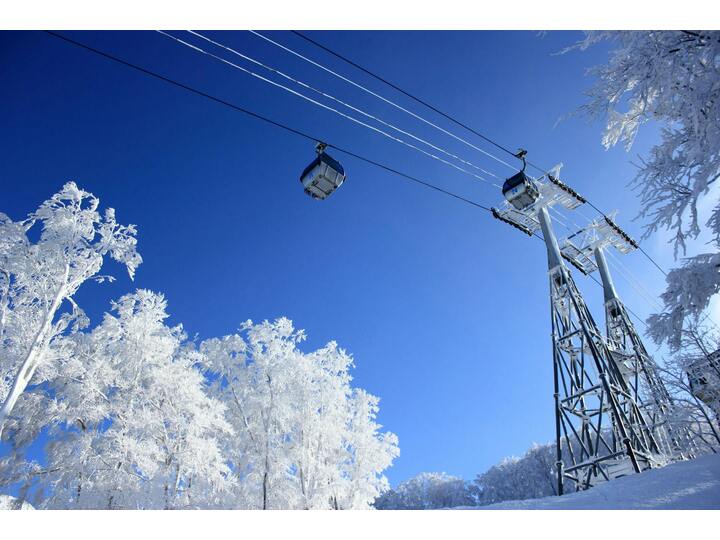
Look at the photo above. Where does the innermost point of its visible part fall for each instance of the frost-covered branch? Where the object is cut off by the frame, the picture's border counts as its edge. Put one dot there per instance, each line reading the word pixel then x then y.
pixel 673 78
pixel 39 277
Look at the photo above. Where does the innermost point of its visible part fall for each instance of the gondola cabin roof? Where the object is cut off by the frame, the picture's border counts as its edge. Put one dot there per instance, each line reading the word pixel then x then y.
pixel 324 158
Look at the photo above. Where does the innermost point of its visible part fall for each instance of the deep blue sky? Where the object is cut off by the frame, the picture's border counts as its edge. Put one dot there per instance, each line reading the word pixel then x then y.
pixel 444 309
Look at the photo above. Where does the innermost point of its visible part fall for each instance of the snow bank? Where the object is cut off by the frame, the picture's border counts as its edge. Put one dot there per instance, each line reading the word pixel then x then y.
pixel 688 485
pixel 10 503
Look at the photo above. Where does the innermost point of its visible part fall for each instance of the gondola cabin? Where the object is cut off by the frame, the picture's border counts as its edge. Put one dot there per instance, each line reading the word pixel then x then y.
pixel 323 176
pixel 520 191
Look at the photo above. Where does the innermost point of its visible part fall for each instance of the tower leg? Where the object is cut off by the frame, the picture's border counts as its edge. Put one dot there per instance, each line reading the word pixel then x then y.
pixel 640 371
pixel 600 431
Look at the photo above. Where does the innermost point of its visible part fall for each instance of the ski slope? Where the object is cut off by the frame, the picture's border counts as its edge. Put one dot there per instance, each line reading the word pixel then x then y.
pixel 688 485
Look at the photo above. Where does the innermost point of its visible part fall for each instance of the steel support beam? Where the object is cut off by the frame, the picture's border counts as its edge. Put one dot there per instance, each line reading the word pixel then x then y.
pixel 588 387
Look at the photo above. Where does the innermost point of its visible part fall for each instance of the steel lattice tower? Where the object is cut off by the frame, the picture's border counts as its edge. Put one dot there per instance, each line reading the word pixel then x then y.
pixel 601 432
pixel 626 346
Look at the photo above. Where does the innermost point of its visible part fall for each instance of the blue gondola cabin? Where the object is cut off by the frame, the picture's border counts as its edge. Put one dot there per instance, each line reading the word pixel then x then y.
pixel 520 191
pixel 323 176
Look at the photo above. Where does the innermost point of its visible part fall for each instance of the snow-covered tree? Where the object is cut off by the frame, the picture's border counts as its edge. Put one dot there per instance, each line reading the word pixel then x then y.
pixel 371 451
pixel 256 380
pixel 692 376
pixel 320 434
pixel 671 77
pixel 137 416
pixel 132 424
pixel 686 297
pixel 38 280
pixel 303 437
pixel 427 491
pixel 11 503
pixel 531 476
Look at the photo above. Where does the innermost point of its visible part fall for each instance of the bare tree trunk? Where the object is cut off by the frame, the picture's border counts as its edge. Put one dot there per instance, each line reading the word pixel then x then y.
pixel 303 489
pixel 265 487
pixel 188 491
pixel 79 490
pixel 176 485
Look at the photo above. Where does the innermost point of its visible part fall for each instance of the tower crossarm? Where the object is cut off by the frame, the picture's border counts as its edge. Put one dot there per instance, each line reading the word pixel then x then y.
pixel 579 248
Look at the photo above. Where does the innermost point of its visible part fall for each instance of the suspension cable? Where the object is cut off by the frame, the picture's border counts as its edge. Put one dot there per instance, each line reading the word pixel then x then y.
pixel 626 307
pixel 634 284
pixel 331 97
pixel 275 123
pixel 327 107
pixel 560 218
pixel 632 276
pixel 443 114
pixel 378 96
pixel 411 96
pixel 408 94
pixel 289 129
pixel 645 253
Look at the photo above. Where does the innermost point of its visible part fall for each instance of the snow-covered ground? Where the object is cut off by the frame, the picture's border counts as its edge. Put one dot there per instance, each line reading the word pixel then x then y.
pixel 689 485
pixel 10 503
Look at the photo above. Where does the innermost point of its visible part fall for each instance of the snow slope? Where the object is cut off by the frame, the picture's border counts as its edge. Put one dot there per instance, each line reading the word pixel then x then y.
pixel 10 503
pixel 688 485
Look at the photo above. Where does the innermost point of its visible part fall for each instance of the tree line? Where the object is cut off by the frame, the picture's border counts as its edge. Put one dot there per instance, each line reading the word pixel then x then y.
pixel 133 414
